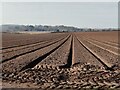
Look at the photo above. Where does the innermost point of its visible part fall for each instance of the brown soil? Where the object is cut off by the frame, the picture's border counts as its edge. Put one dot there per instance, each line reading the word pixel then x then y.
pixel 61 60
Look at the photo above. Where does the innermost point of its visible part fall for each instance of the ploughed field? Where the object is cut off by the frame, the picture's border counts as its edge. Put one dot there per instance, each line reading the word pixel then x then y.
pixel 61 60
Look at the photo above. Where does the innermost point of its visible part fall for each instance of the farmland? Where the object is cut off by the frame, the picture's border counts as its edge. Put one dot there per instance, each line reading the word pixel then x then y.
pixel 70 60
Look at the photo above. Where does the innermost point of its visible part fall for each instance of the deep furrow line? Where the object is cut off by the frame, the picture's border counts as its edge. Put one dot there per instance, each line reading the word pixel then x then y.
pixel 58 57
pixel 21 40
pixel 27 46
pixel 15 56
pixel 100 59
pixel 70 57
pixel 75 55
pixel 39 59
pixel 105 41
pixel 113 45
pixel 23 47
pixel 17 40
pixel 19 45
pixel 107 56
pixel 15 65
pixel 83 56
pixel 105 44
pixel 104 48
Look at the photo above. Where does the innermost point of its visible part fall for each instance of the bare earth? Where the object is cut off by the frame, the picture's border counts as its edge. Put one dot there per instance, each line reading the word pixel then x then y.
pixel 61 60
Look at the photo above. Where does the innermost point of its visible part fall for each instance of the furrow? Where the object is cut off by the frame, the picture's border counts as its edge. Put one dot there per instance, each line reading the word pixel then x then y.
pixel 82 56
pixel 23 61
pixel 58 57
pixel 113 52
pixel 29 45
pixel 39 59
pixel 23 42
pixel 108 55
pixel 70 58
pixel 16 54
pixel 100 59
pixel 111 44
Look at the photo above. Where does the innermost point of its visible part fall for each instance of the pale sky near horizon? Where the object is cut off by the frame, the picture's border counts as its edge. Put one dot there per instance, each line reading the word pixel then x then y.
pixel 78 14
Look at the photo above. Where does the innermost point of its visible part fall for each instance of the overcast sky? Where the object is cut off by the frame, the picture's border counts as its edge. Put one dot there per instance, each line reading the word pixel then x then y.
pixel 79 14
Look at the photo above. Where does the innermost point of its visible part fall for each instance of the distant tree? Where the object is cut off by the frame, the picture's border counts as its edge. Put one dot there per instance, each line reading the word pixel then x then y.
pixel 57 30
pixel 26 30
pixel 16 27
pixel 31 28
